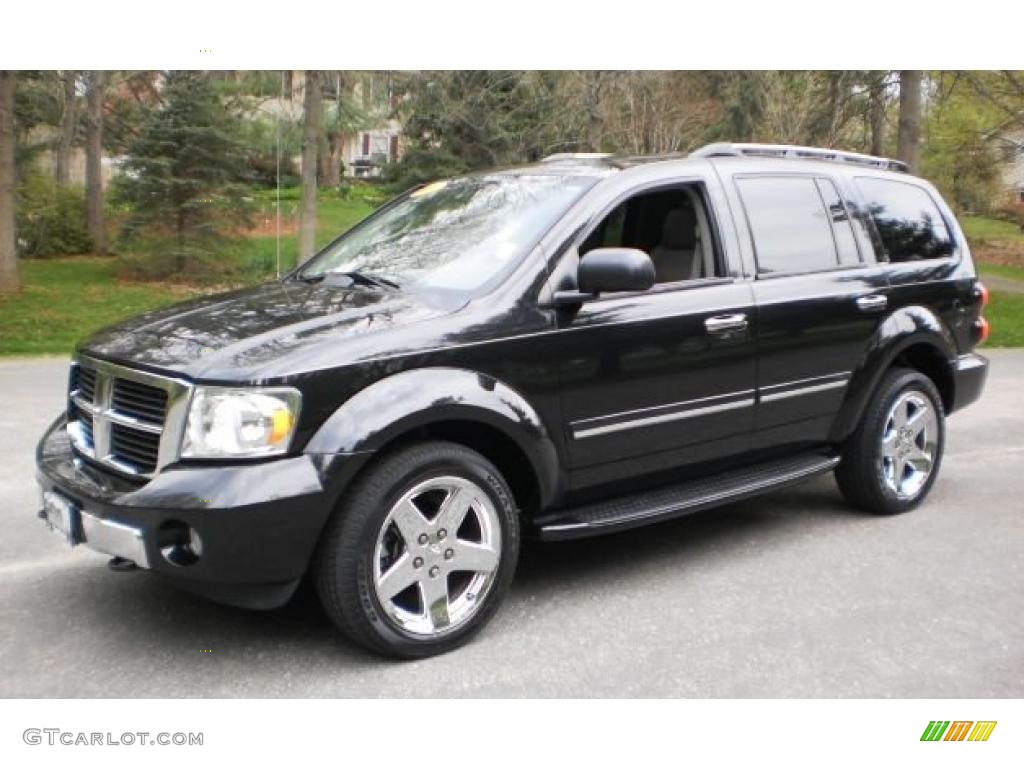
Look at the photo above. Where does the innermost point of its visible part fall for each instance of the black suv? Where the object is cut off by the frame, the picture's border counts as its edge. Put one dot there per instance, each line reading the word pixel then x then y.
pixel 571 348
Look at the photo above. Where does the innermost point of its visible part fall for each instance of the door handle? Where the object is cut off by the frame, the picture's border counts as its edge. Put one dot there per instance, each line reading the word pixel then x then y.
pixel 726 323
pixel 876 302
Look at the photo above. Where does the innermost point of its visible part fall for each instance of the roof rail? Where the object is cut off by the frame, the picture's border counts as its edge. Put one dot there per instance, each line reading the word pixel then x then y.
pixel 570 156
pixel 729 149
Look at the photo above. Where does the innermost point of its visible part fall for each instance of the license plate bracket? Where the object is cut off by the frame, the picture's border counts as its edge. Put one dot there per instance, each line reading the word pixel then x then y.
pixel 62 517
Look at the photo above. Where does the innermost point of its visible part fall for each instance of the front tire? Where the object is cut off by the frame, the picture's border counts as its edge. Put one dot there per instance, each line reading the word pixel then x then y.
pixel 420 553
pixel 890 463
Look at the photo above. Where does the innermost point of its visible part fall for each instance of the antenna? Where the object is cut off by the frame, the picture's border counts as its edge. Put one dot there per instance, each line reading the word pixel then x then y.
pixel 277 127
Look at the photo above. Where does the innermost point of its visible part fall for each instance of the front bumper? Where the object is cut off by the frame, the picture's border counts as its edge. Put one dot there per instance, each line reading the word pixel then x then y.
pixel 969 377
pixel 258 522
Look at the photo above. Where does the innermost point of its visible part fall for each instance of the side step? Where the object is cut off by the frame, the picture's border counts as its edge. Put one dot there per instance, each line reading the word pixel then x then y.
pixel 666 502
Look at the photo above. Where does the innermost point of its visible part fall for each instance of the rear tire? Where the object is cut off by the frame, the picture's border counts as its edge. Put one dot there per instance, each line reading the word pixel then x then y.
pixel 891 461
pixel 420 553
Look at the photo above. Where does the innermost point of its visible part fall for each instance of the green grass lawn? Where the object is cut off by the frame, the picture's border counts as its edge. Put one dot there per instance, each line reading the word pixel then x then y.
pixel 1005 314
pixel 980 229
pixel 1001 270
pixel 64 300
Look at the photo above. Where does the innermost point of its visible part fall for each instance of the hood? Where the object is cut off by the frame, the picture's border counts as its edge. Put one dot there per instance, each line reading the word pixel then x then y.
pixel 238 335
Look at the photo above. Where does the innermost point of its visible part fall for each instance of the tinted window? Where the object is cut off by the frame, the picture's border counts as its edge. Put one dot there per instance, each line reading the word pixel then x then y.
pixel 789 223
pixel 907 219
pixel 846 243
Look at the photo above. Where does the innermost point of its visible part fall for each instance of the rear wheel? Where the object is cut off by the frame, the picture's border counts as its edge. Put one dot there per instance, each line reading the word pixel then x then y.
pixel 421 552
pixel 891 461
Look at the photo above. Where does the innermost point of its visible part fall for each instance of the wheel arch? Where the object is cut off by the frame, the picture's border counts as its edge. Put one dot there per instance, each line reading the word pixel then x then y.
pixel 914 337
pixel 458 405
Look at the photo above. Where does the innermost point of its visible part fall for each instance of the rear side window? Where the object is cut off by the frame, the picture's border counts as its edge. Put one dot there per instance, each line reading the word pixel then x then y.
pixel 907 219
pixel 789 223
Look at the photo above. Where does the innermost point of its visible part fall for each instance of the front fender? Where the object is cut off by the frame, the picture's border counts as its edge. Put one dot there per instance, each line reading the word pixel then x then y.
pixel 903 329
pixel 401 403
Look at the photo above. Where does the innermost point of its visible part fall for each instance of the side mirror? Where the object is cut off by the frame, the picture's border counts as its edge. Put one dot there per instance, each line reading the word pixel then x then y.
pixel 607 270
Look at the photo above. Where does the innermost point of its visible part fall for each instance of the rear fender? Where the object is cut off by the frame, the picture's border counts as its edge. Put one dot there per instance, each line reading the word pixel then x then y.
pixel 903 329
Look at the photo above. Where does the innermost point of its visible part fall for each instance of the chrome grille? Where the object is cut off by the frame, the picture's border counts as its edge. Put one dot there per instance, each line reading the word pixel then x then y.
pixel 126 419
pixel 142 401
pixel 85 382
pixel 141 449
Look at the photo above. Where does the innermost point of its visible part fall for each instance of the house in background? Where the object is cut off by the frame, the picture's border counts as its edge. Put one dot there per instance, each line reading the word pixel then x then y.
pixel 1011 155
pixel 364 150
pixel 365 153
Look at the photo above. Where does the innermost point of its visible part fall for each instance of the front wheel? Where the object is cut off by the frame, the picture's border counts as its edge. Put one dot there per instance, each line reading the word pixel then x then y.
pixel 891 461
pixel 421 552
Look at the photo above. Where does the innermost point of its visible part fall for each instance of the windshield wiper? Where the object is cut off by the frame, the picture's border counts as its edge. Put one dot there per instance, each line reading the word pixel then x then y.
pixel 366 278
pixel 300 278
pixel 361 278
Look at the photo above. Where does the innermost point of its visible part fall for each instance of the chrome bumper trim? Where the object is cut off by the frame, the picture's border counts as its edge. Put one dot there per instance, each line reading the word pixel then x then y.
pixel 113 538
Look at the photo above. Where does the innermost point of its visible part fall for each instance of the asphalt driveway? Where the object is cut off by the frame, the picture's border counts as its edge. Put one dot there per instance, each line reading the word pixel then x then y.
pixel 792 594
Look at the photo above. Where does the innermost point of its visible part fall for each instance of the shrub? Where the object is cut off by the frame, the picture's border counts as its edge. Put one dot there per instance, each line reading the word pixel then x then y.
pixel 157 259
pixel 50 218
pixel 1012 214
pixel 363 192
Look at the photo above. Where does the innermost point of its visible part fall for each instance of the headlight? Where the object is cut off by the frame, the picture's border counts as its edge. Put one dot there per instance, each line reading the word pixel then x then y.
pixel 228 423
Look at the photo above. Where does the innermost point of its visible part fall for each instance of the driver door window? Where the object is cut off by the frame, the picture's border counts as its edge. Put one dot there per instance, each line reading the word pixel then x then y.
pixel 670 225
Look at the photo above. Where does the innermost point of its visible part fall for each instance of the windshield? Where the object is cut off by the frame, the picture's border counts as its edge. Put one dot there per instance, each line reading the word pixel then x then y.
pixel 455 234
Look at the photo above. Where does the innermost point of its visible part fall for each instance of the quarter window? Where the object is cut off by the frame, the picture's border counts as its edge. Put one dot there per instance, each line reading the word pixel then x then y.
pixel 846 243
pixel 908 221
pixel 789 223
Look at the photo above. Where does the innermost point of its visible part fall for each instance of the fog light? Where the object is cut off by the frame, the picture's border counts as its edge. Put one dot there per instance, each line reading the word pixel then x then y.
pixel 179 543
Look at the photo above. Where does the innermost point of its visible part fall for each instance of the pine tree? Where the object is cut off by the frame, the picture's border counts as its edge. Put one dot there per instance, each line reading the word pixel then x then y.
pixel 185 170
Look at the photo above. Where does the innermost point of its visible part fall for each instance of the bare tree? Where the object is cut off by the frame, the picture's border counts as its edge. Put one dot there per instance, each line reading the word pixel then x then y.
pixel 8 254
pixel 68 123
pixel 310 149
pixel 93 162
pixel 909 137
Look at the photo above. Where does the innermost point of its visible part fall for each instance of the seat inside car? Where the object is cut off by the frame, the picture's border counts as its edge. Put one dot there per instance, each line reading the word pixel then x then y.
pixel 678 255
pixel 669 225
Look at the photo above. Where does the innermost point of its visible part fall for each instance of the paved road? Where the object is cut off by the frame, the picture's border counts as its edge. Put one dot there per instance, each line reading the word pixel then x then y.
pixel 793 594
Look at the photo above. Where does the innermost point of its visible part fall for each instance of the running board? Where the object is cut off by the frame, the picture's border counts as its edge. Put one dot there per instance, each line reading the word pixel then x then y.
pixel 666 502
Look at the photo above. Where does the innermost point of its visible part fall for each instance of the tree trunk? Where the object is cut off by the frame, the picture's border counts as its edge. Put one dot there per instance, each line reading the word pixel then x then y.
pixel 93 163
pixel 8 253
pixel 330 160
pixel 68 121
pixel 909 137
pixel 877 117
pixel 310 147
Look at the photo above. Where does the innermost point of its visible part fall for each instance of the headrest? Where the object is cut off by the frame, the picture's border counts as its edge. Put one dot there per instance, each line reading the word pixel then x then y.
pixel 679 230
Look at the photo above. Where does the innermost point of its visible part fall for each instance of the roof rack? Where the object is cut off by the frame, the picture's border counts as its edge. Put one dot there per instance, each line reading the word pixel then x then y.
pixel 561 157
pixel 729 149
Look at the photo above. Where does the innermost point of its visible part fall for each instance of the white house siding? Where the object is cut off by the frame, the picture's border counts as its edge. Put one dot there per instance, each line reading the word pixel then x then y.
pixel 1013 167
pixel 366 151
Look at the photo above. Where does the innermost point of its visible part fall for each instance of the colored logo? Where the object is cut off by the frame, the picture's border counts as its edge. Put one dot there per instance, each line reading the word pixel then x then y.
pixel 958 730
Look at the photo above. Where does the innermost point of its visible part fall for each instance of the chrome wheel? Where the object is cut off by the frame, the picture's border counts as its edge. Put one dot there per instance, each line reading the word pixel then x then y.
pixel 436 556
pixel 909 444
